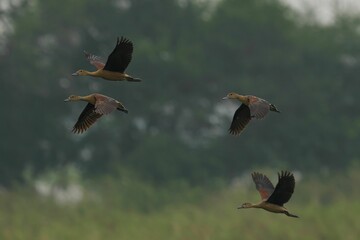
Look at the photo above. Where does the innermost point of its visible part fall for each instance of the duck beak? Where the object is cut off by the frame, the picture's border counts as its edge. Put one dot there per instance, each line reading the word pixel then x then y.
pixel 240 207
pixel 224 98
pixel 75 74
pixel 66 100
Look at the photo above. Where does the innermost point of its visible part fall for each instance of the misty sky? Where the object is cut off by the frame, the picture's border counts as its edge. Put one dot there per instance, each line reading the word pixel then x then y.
pixel 325 9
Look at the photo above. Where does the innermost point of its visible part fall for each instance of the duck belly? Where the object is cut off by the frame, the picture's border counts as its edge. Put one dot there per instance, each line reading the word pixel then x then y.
pixel 274 208
pixel 112 76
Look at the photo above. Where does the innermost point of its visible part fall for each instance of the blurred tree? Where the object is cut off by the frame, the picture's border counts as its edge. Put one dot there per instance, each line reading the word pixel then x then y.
pixel 189 59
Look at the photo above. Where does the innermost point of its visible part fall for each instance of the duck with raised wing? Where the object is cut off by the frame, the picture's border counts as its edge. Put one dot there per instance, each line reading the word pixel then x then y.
pixel 273 199
pixel 97 106
pixel 117 62
pixel 251 107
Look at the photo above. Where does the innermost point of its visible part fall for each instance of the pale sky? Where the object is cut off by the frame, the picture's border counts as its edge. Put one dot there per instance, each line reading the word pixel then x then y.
pixel 324 10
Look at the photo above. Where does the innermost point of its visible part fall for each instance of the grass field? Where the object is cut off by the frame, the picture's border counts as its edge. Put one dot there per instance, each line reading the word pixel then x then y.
pixel 328 208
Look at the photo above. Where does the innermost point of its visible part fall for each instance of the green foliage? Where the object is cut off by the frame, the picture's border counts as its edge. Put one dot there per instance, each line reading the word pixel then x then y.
pixel 128 209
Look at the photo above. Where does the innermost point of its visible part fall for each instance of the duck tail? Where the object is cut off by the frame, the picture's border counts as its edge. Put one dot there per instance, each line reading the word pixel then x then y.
pixel 123 109
pixel 132 79
pixel 273 108
pixel 291 215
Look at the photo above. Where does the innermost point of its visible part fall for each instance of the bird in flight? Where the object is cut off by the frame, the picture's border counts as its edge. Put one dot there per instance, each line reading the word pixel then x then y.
pixel 251 107
pixel 114 68
pixel 98 105
pixel 273 199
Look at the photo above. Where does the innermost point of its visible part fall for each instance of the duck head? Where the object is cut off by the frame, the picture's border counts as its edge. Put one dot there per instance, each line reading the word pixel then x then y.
pixel 241 98
pixel 72 98
pixel 80 73
pixel 245 205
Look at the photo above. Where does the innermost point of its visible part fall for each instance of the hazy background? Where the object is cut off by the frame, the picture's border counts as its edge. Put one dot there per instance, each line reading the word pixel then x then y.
pixel 169 169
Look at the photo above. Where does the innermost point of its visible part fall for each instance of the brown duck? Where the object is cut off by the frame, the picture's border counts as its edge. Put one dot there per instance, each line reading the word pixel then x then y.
pixel 117 62
pixel 273 199
pixel 97 106
pixel 251 107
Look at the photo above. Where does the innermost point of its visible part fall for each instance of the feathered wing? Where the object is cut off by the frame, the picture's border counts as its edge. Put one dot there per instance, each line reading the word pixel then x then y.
pixel 240 120
pixel 258 107
pixel 87 118
pixel 263 185
pixel 120 57
pixel 284 189
pixel 105 105
pixel 95 60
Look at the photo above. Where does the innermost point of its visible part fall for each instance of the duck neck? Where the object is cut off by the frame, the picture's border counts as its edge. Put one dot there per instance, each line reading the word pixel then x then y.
pixel 258 205
pixel 251 205
pixel 88 98
pixel 93 74
pixel 242 99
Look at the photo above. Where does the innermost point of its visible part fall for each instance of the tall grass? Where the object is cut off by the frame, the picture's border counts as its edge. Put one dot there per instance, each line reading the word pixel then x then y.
pixel 328 208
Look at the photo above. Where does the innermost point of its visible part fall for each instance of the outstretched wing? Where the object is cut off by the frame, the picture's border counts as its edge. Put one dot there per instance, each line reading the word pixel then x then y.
pixel 95 60
pixel 263 185
pixel 120 57
pixel 104 104
pixel 284 189
pixel 258 107
pixel 87 118
pixel 240 120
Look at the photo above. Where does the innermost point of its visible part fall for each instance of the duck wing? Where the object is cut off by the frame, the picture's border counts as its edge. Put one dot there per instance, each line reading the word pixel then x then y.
pixel 263 185
pixel 94 60
pixel 240 120
pixel 104 104
pixel 87 118
pixel 120 57
pixel 258 107
pixel 284 189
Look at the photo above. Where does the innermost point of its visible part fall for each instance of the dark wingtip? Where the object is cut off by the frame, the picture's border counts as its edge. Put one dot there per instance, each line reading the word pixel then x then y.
pixel 285 173
pixel 232 133
pixel 123 39
pixel 235 132
pixel 76 131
